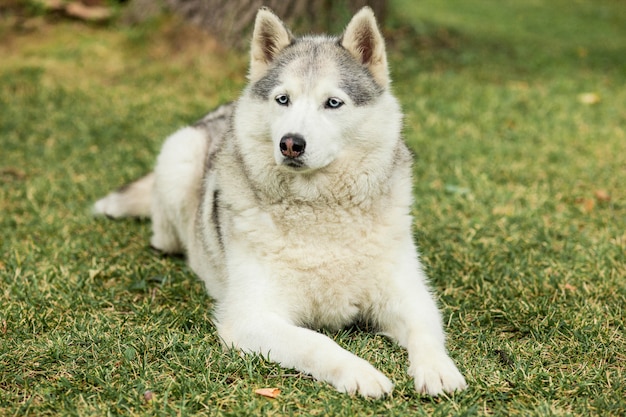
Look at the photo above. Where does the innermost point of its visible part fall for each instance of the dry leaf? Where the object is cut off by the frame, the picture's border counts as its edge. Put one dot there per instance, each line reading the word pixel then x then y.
pixel 602 195
pixel 589 98
pixel 588 205
pixel 268 392
pixel 11 173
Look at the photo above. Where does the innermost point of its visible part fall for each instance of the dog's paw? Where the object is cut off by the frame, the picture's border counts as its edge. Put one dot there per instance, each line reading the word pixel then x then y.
pixel 109 206
pixel 361 377
pixel 436 375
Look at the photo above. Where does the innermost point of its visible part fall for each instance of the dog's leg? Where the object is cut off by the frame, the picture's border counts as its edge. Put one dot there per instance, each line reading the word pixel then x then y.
pixel 254 317
pixel 412 318
pixel 178 181
pixel 305 350
pixel 164 234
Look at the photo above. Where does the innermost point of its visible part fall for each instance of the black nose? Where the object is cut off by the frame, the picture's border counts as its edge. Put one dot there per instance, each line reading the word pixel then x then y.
pixel 292 145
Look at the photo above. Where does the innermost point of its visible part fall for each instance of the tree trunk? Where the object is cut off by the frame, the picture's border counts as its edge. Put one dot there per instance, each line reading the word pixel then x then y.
pixel 231 20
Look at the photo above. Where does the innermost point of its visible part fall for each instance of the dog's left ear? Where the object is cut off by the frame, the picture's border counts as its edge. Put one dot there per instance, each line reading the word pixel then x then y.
pixel 270 36
pixel 363 40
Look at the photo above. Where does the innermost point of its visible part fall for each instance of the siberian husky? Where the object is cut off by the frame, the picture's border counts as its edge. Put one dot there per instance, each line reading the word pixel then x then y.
pixel 293 206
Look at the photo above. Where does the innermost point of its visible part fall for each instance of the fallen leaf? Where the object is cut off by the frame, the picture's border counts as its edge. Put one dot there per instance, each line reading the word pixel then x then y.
pixel 268 392
pixel 588 205
pixel 589 98
pixel 602 195
pixel 11 173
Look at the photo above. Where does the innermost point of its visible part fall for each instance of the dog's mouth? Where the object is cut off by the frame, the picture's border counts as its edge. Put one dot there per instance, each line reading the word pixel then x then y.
pixel 293 163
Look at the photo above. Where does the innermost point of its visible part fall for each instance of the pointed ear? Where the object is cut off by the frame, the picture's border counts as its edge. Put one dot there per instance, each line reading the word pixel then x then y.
pixel 270 36
pixel 363 40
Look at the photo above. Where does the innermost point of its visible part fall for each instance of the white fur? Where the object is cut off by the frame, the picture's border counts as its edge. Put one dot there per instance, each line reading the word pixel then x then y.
pixel 320 247
pixel 178 173
pixel 136 204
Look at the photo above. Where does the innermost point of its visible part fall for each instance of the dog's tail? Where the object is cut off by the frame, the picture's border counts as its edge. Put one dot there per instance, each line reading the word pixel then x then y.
pixel 131 200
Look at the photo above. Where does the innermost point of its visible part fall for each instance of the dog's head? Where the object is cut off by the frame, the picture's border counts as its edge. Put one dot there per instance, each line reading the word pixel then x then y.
pixel 318 99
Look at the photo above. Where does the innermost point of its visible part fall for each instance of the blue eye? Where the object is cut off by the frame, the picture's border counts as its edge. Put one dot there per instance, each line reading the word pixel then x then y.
pixel 282 99
pixel 333 103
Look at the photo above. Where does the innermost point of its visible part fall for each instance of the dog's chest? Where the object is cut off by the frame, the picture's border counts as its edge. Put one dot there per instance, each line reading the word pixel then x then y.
pixel 328 266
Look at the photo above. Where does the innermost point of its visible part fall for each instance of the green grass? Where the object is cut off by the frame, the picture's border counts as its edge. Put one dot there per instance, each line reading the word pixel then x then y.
pixel 520 215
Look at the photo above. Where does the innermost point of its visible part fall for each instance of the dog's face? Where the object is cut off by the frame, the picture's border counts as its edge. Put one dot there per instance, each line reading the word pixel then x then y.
pixel 317 98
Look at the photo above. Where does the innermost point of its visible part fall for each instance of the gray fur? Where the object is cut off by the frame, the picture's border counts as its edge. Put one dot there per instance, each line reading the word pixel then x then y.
pixel 216 125
pixel 216 121
pixel 308 54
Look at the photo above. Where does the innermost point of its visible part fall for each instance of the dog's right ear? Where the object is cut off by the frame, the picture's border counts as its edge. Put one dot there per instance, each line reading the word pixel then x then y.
pixel 270 36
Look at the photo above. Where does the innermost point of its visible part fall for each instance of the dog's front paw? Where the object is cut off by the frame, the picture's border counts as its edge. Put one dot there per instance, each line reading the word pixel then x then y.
pixel 437 374
pixel 108 206
pixel 359 376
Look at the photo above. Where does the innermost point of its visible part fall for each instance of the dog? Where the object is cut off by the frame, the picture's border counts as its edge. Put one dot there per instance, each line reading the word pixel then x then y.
pixel 293 206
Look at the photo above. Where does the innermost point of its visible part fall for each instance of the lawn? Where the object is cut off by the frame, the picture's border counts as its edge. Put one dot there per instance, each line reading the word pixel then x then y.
pixel 516 112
